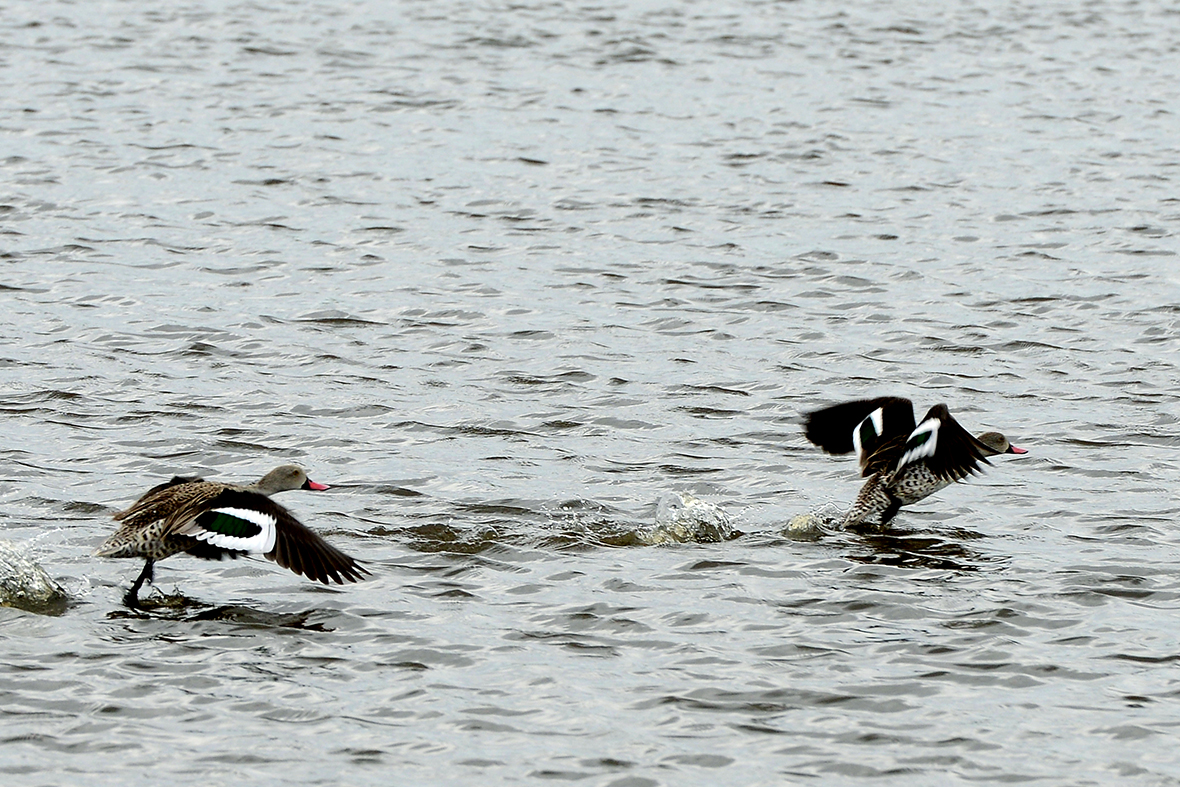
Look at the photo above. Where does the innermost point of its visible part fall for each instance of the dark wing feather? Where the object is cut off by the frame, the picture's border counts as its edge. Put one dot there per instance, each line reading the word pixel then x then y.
pixel 207 551
pixel 301 550
pixel 958 453
pixel 834 428
pixel 831 428
pixel 297 547
pixel 882 455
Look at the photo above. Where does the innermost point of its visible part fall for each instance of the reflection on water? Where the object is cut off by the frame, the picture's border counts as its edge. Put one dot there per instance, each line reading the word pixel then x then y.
pixel 926 551
pixel 180 608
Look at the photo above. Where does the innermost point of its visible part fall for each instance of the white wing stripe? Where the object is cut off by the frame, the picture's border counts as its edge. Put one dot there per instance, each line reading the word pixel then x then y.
pixel 927 448
pixel 262 542
pixel 877 417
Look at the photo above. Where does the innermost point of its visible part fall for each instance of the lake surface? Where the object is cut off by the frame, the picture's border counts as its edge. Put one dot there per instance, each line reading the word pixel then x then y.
pixel 506 276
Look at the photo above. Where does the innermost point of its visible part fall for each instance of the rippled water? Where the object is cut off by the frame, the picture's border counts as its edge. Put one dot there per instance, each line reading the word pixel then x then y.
pixel 506 276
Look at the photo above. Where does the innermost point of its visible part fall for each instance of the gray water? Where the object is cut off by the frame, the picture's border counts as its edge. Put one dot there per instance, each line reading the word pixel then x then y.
pixel 506 276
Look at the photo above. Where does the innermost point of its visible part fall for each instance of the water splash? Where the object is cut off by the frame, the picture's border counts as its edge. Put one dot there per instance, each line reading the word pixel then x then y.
pixel 682 518
pixel 812 525
pixel 25 585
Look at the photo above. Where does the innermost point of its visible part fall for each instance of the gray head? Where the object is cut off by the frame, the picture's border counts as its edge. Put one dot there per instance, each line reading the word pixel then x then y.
pixel 996 443
pixel 285 478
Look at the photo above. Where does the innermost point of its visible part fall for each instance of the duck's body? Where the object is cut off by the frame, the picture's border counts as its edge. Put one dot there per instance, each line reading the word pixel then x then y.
pixel 215 520
pixel 904 462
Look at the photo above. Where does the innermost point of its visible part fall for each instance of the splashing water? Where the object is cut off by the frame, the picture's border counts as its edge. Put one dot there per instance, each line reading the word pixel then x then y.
pixel 682 518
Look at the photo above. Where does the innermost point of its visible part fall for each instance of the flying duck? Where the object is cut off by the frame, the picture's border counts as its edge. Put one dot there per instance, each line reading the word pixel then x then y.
pixel 904 462
pixel 214 520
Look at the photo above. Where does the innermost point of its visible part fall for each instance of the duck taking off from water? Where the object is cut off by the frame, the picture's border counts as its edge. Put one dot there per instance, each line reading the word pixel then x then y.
pixel 214 520
pixel 904 462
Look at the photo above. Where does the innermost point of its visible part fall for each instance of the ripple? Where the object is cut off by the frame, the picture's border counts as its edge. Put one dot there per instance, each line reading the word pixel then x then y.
pixel 506 277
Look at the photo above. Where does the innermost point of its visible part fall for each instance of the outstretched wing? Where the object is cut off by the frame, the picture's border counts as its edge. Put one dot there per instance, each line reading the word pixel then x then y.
pixel 947 449
pixel 301 550
pixel 241 521
pixel 876 429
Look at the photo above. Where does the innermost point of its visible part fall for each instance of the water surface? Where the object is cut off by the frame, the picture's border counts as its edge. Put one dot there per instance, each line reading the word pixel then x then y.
pixel 506 275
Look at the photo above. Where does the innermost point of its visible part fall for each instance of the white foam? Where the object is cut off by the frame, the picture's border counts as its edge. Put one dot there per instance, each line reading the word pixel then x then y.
pixel 682 519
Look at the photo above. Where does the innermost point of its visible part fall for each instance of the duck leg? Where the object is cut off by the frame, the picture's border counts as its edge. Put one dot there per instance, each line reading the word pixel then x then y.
pixel 872 502
pixel 890 512
pixel 147 575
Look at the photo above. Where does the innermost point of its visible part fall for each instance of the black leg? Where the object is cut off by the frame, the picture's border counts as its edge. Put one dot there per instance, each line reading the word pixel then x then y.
pixel 132 597
pixel 889 513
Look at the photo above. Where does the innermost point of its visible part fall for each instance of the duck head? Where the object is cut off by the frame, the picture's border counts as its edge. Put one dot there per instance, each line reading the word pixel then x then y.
pixel 286 478
pixel 996 443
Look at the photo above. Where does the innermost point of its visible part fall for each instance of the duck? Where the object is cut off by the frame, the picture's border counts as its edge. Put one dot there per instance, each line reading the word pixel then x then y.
pixel 904 461
pixel 213 520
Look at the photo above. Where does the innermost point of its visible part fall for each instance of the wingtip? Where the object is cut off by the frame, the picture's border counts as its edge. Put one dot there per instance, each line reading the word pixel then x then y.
pixel 354 572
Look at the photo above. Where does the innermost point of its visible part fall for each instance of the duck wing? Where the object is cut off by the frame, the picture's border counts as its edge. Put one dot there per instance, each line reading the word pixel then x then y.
pixel 301 550
pixel 240 521
pixel 165 499
pixel 876 429
pixel 949 451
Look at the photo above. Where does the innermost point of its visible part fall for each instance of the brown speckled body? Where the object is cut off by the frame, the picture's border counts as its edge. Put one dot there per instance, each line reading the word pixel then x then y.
pixel 150 542
pixel 149 525
pixel 177 517
pixel 885 492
